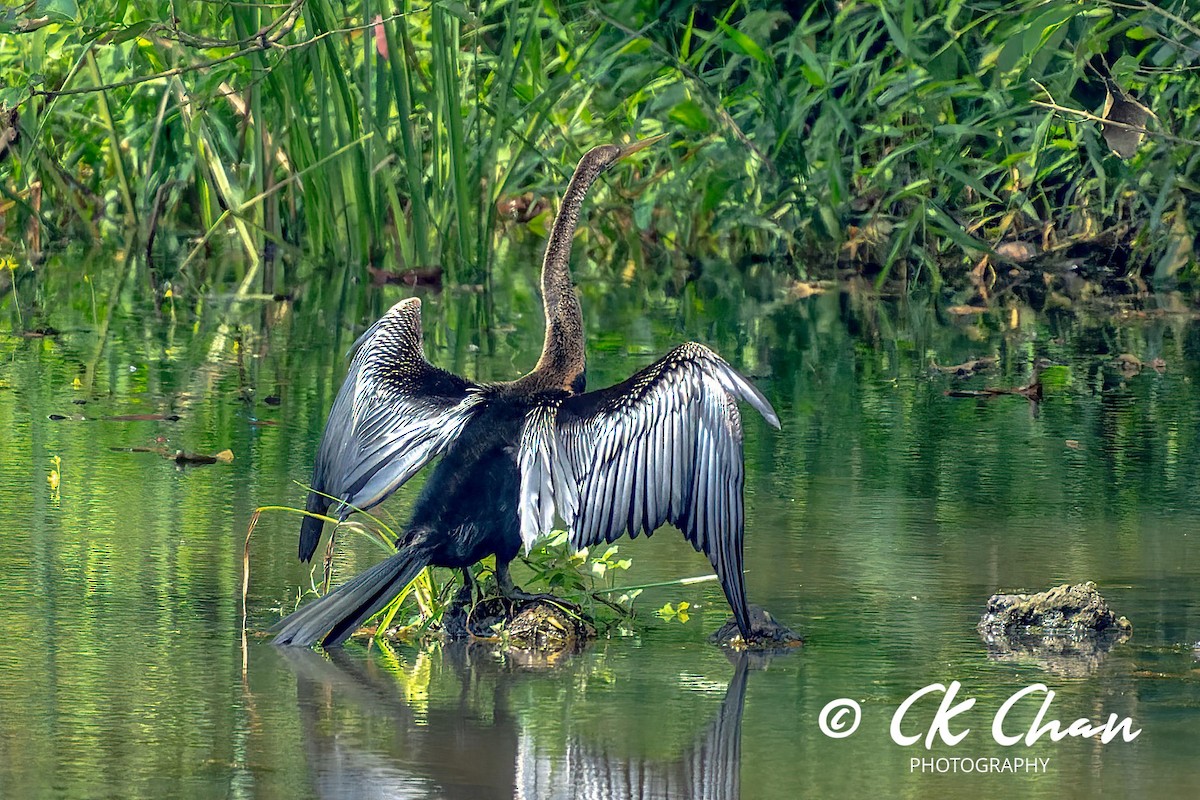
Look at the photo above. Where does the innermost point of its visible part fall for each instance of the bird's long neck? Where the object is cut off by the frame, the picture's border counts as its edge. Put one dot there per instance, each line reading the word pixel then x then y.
pixel 563 359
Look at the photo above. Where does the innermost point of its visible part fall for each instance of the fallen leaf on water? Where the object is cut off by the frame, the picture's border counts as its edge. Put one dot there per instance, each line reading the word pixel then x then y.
pixel 1073 444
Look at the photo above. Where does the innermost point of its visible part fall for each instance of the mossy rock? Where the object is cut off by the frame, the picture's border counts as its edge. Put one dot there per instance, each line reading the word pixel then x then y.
pixel 1068 630
pixel 1063 610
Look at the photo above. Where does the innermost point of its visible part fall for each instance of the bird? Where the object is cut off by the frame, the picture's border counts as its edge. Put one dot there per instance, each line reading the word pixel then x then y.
pixel 513 457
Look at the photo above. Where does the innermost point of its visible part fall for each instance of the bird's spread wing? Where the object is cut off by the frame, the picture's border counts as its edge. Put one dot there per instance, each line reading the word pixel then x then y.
pixel 394 413
pixel 664 446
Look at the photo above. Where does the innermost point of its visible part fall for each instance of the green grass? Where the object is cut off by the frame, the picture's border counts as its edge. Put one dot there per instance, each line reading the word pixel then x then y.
pixel 903 138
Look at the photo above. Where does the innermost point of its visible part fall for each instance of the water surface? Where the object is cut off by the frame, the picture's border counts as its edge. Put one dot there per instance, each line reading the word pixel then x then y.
pixel 879 520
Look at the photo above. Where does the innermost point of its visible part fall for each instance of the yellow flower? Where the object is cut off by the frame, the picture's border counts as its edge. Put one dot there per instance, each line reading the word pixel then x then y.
pixel 9 263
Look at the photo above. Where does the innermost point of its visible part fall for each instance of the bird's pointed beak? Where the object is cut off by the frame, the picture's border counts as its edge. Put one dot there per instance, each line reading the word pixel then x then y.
pixel 641 144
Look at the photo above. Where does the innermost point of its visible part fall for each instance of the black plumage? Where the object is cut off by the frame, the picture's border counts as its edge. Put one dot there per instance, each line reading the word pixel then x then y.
pixel 664 446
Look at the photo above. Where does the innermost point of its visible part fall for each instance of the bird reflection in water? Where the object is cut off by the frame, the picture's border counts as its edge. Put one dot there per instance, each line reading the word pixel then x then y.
pixel 475 750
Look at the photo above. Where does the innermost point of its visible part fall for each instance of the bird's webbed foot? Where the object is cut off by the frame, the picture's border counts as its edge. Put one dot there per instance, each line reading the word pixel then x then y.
pixel 510 592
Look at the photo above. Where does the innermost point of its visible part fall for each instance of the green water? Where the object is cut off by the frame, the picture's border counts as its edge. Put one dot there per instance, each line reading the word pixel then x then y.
pixel 879 520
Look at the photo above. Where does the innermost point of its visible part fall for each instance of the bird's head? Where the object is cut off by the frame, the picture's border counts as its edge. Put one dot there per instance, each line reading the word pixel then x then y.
pixel 606 155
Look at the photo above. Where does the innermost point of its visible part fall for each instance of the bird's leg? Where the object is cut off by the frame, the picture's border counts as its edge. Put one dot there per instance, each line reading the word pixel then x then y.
pixel 512 593
pixel 468 593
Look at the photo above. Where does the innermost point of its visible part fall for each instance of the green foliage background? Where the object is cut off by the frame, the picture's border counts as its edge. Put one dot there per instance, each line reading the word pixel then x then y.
pixel 884 133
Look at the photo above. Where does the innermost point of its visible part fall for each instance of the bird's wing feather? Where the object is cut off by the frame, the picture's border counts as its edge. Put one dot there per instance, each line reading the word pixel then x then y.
pixel 394 413
pixel 664 446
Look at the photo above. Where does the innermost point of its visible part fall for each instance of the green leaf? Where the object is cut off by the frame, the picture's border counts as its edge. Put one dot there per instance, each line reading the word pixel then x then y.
pixel 942 222
pixel 57 9
pixel 13 96
pixel 643 211
pixel 691 115
pixel 132 32
pixel 901 41
pixel 1124 69
pixel 743 43
pixel 461 11
pixel 635 46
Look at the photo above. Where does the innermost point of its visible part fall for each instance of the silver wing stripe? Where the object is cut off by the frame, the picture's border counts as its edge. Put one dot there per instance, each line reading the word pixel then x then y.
pixel 394 413
pixel 665 446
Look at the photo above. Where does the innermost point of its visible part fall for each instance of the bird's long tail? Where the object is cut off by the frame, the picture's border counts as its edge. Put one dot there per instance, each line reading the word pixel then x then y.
pixel 343 611
pixel 727 562
pixel 310 528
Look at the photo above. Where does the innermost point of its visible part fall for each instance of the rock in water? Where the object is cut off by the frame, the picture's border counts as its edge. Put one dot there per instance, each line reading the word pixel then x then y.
pixel 1062 610
pixel 767 633
pixel 537 624
pixel 1068 630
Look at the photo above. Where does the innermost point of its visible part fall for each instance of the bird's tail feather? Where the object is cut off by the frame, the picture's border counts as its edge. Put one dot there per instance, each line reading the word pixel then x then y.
pixel 727 562
pixel 341 612
pixel 310 528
